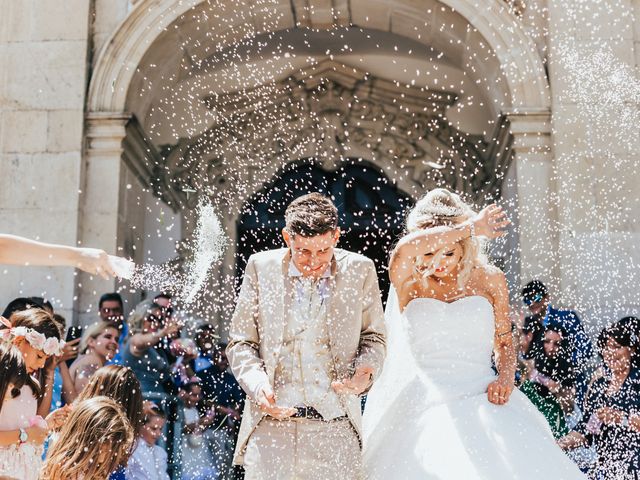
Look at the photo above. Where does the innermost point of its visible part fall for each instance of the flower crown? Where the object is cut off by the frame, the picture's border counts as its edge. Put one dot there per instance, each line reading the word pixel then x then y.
pixel 49 345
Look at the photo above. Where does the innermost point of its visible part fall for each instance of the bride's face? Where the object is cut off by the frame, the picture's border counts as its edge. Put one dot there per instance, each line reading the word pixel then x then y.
pixel 447 264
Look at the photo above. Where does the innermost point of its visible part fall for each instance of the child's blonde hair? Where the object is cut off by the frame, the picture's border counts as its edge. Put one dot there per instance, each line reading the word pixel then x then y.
pixel 95 425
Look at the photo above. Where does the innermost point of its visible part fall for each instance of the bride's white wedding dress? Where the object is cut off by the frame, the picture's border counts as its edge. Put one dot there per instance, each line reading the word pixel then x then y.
pixel 428 416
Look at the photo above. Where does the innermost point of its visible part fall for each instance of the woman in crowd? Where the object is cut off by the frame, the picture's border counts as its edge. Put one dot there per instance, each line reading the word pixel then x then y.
pixel 36 337
pixel 99 344
pixel 96 439
pixel 143 352
pixel 611 420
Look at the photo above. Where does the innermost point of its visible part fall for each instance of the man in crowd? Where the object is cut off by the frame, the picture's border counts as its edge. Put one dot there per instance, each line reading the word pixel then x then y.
pixel 111 308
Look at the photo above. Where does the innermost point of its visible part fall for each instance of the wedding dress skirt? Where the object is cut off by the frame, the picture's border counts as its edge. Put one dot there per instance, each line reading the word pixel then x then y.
pixel 438 423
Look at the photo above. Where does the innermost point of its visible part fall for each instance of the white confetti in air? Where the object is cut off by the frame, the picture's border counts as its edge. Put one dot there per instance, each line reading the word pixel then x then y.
pixel 122 267
pixel 210 243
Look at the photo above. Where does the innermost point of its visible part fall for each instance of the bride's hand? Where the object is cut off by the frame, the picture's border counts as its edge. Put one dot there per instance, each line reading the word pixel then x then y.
pixel 491 222
pixel 499 391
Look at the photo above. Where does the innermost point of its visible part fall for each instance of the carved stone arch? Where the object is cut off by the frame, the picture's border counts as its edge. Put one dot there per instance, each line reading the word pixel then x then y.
pixel 335 114
pixel 493 22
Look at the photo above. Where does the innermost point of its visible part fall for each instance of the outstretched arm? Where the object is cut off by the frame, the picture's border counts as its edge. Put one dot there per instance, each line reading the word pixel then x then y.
pixel 16 250
pixel 490 223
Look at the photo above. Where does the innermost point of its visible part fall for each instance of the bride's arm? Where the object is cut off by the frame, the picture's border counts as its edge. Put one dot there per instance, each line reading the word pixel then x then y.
pixel 490 223
pixel 500 390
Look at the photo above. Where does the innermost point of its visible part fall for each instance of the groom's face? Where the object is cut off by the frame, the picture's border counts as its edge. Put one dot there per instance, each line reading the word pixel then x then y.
pixel 312 255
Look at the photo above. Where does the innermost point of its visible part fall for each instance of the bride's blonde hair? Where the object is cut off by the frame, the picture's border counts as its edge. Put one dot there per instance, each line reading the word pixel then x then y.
pixel 94 425
pixel 440 207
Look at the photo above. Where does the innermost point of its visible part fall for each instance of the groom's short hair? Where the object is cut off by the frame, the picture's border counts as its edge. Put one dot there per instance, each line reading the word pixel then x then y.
pixel 311 215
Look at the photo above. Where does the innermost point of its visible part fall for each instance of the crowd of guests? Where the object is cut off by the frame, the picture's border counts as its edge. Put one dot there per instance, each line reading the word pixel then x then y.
pixel 144 398
pixel 590 394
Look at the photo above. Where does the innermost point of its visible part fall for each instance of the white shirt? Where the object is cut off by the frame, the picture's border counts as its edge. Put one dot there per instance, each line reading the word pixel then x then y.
pixel 148 462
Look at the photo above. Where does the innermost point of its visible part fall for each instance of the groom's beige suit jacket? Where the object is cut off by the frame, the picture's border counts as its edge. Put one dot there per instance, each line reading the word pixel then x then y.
pixel 355 321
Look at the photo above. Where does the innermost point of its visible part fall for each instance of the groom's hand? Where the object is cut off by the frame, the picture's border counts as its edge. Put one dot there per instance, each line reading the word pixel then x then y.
pixel 355 385
pixel 266 401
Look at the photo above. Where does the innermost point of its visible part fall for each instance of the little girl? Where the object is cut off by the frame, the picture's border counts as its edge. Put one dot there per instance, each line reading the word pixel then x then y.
pixel 96 438
pixel 29 339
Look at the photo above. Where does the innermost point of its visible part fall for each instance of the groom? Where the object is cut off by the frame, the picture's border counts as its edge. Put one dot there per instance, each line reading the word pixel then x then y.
pixel 306 340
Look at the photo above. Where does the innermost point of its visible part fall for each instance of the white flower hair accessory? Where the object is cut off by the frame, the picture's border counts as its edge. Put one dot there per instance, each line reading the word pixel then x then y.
pixel 49 345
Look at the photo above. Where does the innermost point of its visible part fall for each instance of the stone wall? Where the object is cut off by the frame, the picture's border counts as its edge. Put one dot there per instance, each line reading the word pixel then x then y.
pixel 596 154
pixel 43 57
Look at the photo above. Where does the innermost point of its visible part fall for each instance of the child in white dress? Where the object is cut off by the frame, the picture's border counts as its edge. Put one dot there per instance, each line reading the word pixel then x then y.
pixel 25 346
pixel 22 434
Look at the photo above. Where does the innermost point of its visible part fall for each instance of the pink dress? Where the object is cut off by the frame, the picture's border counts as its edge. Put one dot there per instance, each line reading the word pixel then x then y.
pixel 19 461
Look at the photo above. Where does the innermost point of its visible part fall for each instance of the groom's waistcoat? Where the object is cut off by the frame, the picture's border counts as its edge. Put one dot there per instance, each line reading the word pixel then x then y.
pixel 305 371
pixel 258 332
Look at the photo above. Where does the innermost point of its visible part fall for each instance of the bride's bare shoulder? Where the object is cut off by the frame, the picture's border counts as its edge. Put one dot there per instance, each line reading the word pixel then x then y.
pixel 486 272
pixel 489 279
pixel 408 291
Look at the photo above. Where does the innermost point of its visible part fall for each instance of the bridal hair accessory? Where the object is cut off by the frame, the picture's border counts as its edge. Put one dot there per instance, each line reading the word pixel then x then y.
pixel 49 345
pixel 428 213
pixel 438 211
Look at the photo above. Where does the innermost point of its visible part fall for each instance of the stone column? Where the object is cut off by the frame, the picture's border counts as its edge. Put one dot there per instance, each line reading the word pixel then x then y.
pixel 536 194
pixel 594 82
pixel 100 202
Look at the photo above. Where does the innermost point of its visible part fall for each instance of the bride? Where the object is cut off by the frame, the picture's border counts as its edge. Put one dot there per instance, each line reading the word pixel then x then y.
pixel 438 411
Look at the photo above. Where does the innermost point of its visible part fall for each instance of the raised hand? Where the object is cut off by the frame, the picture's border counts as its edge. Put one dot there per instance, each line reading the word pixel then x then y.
pixel 56 419
pixel 95 262
pixel 610 416
pixel 69 351
pixel 491 222
pixel 171 327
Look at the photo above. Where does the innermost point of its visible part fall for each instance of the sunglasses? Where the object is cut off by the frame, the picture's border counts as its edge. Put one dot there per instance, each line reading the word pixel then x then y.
pixel 528 301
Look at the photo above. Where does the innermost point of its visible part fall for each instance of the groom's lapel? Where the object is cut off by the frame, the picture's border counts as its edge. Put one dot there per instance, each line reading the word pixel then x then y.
pixel 336 309
pixel 283 293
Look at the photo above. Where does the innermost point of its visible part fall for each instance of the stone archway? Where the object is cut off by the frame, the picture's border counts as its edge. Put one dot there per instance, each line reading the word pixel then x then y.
pixel 494 26
pixel 500 52
pixel 333 113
